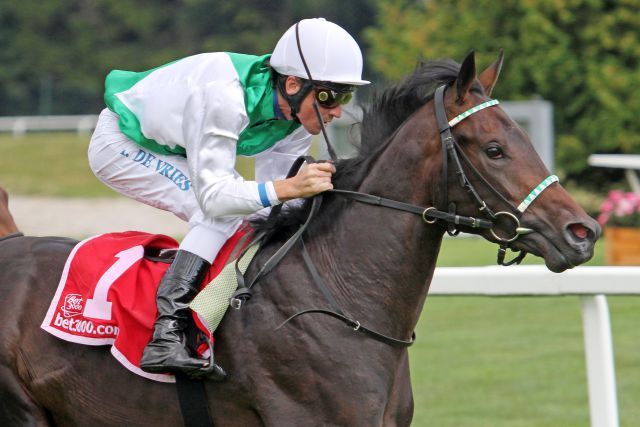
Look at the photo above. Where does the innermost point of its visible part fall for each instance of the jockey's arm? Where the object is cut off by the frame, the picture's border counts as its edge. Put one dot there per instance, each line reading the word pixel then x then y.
pixel 214 117
pixel 273 165
pixel 312 179
pixel 211 127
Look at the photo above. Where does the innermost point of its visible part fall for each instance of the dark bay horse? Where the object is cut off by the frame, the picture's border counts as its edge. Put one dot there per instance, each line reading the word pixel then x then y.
pixel 377 263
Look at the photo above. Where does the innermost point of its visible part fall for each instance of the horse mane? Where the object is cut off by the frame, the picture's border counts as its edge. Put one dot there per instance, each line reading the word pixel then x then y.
pixel 383 114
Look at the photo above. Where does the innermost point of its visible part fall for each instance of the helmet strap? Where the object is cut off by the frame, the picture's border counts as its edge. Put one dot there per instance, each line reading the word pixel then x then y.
pixel 330 150
pixel 296 99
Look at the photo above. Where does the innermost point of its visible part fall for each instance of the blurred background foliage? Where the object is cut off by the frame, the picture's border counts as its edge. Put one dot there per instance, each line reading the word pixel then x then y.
pixel 582 55
pixel 55 54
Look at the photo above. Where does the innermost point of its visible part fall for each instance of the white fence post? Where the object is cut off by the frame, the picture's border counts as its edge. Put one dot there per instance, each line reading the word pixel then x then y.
pixel 19 127
pixel 598 346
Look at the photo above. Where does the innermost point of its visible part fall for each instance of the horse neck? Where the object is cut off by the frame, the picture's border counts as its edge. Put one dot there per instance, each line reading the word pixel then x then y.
pixel 380 260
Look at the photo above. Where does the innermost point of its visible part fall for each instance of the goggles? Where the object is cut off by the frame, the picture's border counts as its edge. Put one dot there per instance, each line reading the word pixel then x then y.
pixel 330 98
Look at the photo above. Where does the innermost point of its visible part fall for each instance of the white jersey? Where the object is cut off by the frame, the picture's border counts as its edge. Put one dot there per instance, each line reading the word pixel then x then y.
pixel 212 107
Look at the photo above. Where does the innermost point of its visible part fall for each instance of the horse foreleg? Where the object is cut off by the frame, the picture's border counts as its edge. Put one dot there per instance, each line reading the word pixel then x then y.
pixel 17 408
pixel 399 410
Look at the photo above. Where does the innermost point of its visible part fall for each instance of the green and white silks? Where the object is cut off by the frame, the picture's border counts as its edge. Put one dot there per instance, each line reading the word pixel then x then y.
pixel 142 99
pixel 210 108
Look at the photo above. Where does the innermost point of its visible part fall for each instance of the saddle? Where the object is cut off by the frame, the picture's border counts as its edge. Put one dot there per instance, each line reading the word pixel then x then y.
pixel 106 294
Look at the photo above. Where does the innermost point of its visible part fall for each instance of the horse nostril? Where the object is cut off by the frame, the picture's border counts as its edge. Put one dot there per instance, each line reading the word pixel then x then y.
pixel 579 231
pixel 583 232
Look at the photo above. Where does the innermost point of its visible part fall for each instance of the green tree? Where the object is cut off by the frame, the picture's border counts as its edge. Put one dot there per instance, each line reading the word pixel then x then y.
pixel 56 53
pixel 582 55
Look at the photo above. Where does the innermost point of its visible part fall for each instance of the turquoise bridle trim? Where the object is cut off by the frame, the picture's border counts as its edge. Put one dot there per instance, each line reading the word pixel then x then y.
pixel 536 192
pixel 527 200
pixel 539 188
pixel 471 111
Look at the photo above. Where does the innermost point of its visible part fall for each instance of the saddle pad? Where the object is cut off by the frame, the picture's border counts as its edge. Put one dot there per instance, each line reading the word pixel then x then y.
pixel 213 301
pixel 106 295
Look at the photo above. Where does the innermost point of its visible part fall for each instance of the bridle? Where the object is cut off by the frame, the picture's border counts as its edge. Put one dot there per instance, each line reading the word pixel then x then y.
pixel 430 215
pixel 451 152
pixel 446 213
pixel 452 155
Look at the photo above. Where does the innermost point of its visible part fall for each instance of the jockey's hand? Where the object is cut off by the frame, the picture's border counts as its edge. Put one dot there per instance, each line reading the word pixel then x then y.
pixel 312 179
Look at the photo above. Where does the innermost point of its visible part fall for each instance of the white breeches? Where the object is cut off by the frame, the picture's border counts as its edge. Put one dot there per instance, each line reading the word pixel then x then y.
pixel 157 180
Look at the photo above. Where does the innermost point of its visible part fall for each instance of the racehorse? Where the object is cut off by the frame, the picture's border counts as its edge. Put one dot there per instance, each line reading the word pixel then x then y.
pixel 376 262
pixel 7 225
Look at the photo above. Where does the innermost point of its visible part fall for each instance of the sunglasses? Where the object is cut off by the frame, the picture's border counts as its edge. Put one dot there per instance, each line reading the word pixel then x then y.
pixel 330 99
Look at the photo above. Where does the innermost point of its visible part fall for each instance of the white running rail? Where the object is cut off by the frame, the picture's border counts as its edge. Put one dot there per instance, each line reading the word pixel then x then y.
pixel 590 283
pixel 19 125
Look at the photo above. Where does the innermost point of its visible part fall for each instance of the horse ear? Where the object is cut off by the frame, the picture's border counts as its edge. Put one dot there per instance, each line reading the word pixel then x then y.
pixel 466 76
pixel 489 77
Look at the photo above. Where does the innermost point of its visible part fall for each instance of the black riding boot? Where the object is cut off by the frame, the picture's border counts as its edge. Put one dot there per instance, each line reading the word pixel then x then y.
pixel 167 350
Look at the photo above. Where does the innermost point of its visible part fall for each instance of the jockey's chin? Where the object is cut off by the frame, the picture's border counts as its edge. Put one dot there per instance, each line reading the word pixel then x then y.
pixel 309 119
pixel 313 127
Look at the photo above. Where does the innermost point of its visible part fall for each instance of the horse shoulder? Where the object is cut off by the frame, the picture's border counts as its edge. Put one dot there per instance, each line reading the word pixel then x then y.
pixel 292 369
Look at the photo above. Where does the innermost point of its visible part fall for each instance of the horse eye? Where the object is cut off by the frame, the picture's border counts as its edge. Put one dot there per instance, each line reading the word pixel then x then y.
pixel 494 152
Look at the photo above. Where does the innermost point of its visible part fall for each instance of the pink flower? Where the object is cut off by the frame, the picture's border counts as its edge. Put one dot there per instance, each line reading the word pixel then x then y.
pixel 607 206
pixel 616 195
pixel 603 218
pixel 620 209
pixel 625 207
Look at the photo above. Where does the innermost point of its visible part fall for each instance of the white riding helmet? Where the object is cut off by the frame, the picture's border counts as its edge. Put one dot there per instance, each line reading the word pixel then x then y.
pixel 330 52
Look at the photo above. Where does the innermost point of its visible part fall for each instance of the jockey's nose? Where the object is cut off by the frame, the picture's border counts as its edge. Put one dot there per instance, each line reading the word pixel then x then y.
pixel 336 111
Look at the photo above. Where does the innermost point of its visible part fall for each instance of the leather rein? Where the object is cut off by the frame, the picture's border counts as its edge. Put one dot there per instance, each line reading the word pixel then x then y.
pixel 430 215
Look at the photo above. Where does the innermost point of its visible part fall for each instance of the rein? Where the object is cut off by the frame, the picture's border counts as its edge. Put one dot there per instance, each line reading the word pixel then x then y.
pixel 337 311
pixel 243 293
pixel 430 215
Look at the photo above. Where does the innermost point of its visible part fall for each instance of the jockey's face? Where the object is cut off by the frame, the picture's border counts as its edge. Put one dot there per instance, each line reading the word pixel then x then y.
pixel 307 114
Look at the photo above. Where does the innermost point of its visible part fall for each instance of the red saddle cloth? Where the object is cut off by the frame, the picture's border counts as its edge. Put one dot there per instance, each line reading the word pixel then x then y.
pixel 106 295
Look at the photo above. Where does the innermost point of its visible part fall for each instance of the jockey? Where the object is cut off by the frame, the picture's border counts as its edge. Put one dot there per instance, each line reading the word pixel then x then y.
pixel 170 136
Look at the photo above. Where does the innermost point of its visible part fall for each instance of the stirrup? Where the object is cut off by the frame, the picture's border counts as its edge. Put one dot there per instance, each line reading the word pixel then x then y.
pixel 212 372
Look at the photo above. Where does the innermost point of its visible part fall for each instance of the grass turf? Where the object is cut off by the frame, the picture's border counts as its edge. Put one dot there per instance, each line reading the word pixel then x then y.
pixel 514 361
pixel 55 164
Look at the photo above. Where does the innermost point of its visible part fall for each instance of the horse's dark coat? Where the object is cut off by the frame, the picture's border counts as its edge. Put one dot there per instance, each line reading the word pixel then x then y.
pixel 377 262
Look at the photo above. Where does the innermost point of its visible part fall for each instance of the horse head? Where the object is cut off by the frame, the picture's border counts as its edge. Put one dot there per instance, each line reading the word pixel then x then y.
pixel 529 209
pixel 440 146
